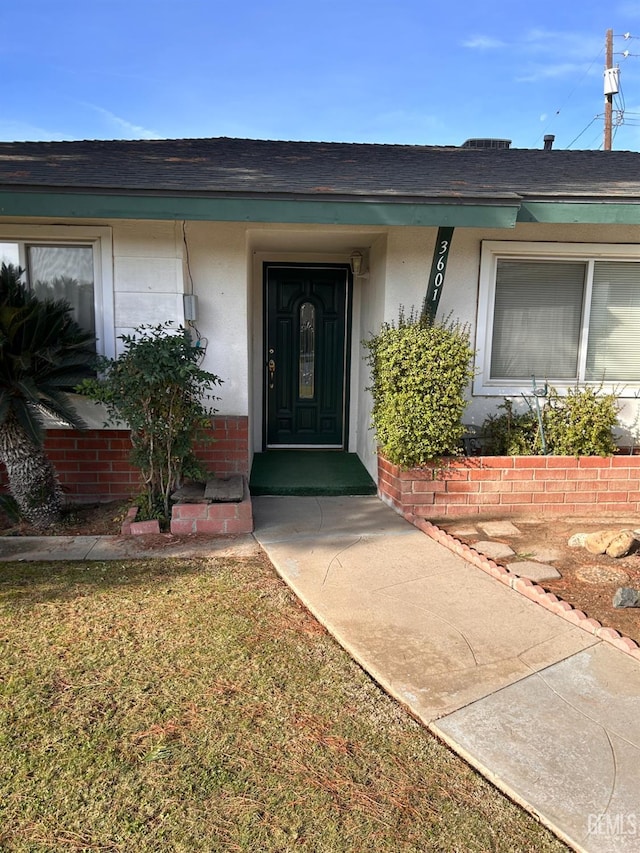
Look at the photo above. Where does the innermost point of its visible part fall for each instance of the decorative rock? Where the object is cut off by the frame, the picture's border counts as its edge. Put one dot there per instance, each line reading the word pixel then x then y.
pixel 622 545
pixel 578 540
pixel 626 597
pixel 499 528
pixel 494 550
pixel 225 489
pixel 534 571
pixel 602 574
pixel 597 543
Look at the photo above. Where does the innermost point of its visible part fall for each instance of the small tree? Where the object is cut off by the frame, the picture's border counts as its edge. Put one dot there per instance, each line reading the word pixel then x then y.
pixel 43 354
pixel 158 389
pixel 420 371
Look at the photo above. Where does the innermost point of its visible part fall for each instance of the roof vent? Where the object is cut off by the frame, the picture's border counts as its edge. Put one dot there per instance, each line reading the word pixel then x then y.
pixel 487 143
pixel 549 139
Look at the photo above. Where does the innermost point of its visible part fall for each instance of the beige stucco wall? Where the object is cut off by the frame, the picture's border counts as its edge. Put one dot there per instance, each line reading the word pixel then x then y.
pixel 155 263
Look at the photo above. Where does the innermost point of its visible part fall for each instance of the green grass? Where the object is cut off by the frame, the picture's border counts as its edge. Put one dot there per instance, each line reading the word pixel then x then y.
pixel 196 706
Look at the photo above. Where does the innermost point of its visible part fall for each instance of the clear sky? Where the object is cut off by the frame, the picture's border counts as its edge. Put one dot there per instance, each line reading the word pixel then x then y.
pixel 394 71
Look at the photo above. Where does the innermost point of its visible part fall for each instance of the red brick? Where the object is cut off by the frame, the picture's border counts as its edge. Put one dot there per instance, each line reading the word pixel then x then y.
pixel 521 498
pixel 498 462
pixel 484 474
pixel 561 462
pixel 530 461
pixel 529 486
pixel 624 461
pixel 238 525
pixel 182 526
pixel 496 486
pixel 612 497
pixel 583 474
pixel 551 474
pixel 552 486
pixel 484 499
pixel 593 486
pixel 460 487
pixel 518 475
pixel 616 474
pixel 189 511
pixel 421 486
pixel 595 462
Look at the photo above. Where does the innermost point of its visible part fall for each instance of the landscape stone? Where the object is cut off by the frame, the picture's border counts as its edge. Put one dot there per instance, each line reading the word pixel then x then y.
pixel 494 550
pixel 467 530
pixel 535 571
pixel 578 540
pixel 626 596
pixel 544 555
pixel 597 543
pixel 602 574
pixel 190 493
pixel 225 489
pixel 499 528
pixel 622 545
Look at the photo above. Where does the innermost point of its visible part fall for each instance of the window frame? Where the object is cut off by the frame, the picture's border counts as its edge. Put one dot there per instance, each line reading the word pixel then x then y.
pixel 100 239
pixel 494 250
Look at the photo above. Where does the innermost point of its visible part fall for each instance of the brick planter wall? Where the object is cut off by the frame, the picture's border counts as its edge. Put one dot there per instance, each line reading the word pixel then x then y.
pixel 94 464
pixel 214 518
pixel 499 485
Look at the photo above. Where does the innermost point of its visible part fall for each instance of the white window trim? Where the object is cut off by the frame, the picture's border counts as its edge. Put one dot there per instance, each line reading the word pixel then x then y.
pixel 101 240
pixel 491 252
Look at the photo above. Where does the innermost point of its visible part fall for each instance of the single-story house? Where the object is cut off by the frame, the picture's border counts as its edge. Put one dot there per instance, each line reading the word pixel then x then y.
pixel 297 251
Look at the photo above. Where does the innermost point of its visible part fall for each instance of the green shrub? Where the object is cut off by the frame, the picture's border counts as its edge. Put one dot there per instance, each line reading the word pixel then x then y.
pixel 581 423
pixel 419 371
pixel 511 433
pixel 578 424
pixel 158 389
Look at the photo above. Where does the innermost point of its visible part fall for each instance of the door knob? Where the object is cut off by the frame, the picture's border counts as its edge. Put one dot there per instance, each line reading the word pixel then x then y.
pixel 272 372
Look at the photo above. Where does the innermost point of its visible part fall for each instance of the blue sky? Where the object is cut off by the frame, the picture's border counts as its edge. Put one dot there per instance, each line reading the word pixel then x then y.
pixel 393 71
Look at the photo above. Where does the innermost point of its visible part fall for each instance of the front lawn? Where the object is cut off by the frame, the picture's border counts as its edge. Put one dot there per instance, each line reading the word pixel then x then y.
pixel 194 706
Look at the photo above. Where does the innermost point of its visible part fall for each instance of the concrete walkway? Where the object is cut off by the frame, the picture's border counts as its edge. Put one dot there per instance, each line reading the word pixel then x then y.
pixel 545 710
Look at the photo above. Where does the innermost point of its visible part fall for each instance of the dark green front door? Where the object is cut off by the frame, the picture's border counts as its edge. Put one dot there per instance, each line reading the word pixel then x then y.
pixel 306 355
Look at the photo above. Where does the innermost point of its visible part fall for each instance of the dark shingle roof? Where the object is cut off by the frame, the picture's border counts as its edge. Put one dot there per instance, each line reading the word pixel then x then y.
pixel 315 169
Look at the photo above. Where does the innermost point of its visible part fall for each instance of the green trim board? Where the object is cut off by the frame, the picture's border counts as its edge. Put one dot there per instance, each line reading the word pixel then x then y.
pixel 580 213
pixel 322 212
pixel 309 472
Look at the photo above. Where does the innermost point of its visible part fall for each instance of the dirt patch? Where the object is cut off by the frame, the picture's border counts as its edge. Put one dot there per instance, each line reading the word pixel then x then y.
pixel 587 582
pixel 100 519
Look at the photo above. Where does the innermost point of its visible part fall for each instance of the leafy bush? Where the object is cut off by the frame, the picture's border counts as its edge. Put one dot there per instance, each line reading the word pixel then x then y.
pixel 581 424
pixel 158 389
pixel 578 424
pixel 420 371
pixel 511 433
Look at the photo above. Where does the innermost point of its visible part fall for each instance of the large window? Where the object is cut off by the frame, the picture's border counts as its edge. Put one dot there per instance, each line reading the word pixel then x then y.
pixel 60 264
pixel 565 313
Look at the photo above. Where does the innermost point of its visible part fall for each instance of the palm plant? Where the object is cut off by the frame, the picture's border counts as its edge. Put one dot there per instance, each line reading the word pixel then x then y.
pixel 43 354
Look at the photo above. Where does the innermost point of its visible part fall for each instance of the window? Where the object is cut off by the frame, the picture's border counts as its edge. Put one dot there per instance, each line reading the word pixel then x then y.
pixel 71 263
pixel 565 313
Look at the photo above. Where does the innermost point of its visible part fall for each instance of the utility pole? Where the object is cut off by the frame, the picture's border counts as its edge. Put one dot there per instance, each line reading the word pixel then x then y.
pixel 608 95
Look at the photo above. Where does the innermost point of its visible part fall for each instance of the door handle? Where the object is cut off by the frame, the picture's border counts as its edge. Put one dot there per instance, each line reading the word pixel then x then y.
pixel 272 372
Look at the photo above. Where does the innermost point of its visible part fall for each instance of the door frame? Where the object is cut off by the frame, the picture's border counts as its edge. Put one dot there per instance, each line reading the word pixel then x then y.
pixel 346 394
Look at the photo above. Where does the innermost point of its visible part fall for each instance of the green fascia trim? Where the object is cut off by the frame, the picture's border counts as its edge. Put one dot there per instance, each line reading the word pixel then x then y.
pixel 581 213
pixel 107 206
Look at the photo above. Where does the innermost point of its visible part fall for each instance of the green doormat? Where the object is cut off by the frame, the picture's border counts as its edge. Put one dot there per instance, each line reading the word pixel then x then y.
pixel 309 472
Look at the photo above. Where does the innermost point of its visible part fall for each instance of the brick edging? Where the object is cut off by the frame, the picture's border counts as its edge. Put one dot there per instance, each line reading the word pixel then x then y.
pixel 534 592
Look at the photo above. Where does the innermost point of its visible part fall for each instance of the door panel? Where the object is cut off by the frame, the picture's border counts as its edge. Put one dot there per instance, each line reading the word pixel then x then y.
pixel 306 336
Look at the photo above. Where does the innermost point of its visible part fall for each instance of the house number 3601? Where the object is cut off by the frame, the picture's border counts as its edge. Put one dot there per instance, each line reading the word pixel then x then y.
pixel 441 265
